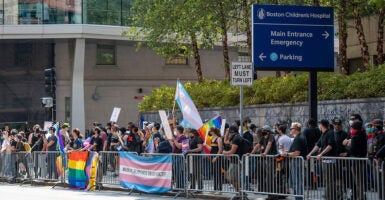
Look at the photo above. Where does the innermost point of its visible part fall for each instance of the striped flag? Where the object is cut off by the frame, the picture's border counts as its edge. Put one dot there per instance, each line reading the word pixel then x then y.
pixel 146 174
pixel 77 177
pixel 204 130
pixel 190 113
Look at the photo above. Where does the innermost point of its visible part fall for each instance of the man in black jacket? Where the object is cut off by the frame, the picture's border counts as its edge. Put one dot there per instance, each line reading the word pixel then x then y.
pixel 358 148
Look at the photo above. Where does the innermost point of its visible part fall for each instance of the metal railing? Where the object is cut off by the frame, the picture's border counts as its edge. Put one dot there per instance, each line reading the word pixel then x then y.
pixel 273 175
pixel 342 178
pixel 326 178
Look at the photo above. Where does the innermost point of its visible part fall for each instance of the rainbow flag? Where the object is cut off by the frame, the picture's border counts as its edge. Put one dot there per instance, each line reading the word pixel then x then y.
pixel 77 177
pixel 91 170
pixel 59 165
pixel 204 130
pixel 61 161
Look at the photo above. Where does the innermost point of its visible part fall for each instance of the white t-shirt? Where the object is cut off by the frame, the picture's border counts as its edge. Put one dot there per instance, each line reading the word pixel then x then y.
pixel 284 143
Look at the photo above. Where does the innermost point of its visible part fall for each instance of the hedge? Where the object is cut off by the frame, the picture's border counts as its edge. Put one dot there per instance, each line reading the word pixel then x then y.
pixel 288 89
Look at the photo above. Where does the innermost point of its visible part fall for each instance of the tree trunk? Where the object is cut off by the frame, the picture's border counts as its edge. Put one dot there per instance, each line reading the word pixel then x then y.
pixel 197 58
pixel 278 73
pixel 246 16
pixel 226 60
pixel 316 2
pixel 342 37
pixel 380 37
pixel 361 37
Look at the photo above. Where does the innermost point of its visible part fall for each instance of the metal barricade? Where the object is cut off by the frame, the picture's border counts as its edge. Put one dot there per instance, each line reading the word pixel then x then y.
pixel 16 166
pixel 179 178
pixel 44 166
pixel 341 178
pixel 108 170
pixel 273 175
pixel 213 173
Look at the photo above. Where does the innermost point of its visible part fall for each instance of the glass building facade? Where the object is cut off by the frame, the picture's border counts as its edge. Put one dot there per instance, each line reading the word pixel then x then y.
pixel 101 12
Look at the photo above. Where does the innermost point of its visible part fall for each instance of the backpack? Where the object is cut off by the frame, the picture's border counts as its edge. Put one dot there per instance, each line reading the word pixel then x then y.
pixel 247 147
pixel 376 144
pixel 27 147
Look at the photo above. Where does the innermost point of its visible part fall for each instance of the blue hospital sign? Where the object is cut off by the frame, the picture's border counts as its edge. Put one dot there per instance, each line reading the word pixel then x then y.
pixel 292 38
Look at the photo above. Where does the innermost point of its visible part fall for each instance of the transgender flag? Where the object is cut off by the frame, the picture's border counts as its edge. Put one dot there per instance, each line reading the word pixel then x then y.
pixel 190 113
pixel 145 174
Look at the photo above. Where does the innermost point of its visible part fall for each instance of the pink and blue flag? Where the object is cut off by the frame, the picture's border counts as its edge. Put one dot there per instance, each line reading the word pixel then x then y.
pixel 190 113
pixel 146 174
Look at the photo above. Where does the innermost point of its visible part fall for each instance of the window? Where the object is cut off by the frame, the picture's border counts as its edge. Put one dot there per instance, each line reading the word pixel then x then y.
pixel 105 54
pixel 177 60
pixel 355 64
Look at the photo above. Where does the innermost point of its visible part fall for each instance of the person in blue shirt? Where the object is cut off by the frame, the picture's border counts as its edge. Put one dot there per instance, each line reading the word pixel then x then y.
pixel 76 142
pixel 52 148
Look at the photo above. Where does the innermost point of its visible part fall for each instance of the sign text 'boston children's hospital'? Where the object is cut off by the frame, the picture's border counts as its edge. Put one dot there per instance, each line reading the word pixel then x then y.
pixel 293 38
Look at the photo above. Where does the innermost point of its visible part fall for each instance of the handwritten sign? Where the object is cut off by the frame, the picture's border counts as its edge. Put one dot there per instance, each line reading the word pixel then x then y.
pixel 115 114
pixel 165 124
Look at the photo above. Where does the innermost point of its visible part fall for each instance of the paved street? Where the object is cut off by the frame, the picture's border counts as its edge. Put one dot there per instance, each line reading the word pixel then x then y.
pixel 29 192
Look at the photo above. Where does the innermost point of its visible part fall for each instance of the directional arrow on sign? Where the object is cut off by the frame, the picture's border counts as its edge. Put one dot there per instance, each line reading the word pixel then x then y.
pixel 325 34
pixel 262 57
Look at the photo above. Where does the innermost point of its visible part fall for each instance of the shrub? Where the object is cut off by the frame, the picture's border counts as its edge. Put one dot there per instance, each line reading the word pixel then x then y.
pixel 290 88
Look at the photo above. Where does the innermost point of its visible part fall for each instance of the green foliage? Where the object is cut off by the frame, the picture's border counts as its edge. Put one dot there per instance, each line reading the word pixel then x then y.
pixel 290 89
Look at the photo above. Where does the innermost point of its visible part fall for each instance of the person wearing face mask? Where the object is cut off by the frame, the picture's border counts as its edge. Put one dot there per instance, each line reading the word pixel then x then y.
pixel 196 147
pixel 358 149
pixel 51 148
pixel 177 141
pixel 341 151
pixel 326 146
pixel 76 143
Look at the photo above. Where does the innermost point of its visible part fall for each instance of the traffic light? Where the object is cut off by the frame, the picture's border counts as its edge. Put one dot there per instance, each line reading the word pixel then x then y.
pixel 50 80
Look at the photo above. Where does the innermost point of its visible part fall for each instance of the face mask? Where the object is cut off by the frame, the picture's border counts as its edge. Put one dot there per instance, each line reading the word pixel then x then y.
pixel 351 122
pixel 369 130
pixel 175 133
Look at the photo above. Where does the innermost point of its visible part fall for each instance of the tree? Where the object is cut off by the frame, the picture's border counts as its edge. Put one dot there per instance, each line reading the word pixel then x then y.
pixel 361 35
pixel 342 36
pixel 173 28
pixel 380 5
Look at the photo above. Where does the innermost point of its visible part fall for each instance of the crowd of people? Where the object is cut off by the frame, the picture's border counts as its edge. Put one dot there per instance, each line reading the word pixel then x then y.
pixel 321 139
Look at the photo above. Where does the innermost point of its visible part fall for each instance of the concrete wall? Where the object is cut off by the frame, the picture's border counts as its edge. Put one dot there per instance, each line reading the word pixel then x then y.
pixel 272 113
pixel 370 29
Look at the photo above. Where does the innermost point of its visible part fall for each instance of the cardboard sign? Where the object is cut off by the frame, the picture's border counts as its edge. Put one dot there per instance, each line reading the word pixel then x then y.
pixel 165 124
pixel 223 127
pixel 115 114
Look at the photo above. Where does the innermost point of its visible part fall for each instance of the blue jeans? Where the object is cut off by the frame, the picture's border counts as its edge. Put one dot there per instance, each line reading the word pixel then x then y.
pixel 295 178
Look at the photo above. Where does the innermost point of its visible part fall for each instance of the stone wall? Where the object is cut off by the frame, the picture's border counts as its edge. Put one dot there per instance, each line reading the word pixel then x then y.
pixel 271 113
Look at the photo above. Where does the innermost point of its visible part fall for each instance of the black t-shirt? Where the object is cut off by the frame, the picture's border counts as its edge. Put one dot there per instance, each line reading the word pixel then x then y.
pixel 98 142
pixel 238 141
pixel 340 136
pixel 264 141
pixel 194 143
pixel 37 142
pixel 299 144
pixel 312 135
pixel 358 144
pixel 326 139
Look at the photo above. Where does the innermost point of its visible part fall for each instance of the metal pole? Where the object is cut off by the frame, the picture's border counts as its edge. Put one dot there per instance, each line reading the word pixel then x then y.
pixel 241 107
pixel 313 95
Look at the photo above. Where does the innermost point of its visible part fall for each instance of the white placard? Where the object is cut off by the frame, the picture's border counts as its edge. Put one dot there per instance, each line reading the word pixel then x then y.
pixel 223 127
pixel 242 73
pixel 115 114
pixel 47 125
pixel 165 123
